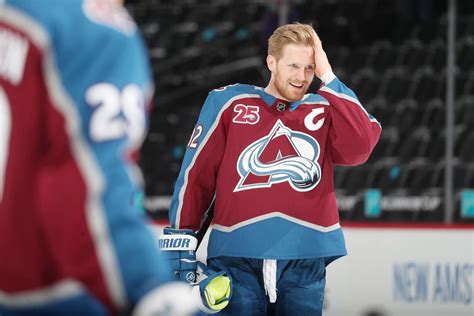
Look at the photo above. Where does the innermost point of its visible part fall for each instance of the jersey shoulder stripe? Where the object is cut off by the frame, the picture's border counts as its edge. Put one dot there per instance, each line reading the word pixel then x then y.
pixel 314 98
pixel 224 94
pixel 340 90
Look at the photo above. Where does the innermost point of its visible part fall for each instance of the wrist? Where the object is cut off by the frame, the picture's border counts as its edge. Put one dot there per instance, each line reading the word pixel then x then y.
pixel 327 77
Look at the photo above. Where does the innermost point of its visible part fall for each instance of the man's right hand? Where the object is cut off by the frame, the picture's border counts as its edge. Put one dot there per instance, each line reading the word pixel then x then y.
pixel 179 247
pixel 213 288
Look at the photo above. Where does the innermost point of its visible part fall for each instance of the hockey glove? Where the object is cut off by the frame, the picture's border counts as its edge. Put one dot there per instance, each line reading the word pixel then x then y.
pixel 215 288
pixel 179 247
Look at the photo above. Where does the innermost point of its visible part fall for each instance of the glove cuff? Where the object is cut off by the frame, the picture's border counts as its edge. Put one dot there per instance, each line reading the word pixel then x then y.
pixel 177 240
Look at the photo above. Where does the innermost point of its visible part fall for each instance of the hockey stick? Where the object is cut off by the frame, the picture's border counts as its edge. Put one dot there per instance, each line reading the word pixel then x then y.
pixel 205 223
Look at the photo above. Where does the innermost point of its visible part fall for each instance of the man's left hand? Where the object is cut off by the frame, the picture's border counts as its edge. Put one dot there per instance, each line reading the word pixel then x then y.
pixel 320 58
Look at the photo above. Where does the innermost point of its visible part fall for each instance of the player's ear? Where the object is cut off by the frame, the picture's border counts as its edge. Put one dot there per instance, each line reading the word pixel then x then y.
pixel 271 63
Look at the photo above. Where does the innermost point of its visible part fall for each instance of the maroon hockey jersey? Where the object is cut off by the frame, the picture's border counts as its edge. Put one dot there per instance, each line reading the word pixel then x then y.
pixel 268 163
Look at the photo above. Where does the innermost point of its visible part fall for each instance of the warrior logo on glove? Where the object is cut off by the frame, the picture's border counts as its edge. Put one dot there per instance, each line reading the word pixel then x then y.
pixel 179 245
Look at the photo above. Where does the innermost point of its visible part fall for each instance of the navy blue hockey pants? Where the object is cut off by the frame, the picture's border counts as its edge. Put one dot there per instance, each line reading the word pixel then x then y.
pixel 285 287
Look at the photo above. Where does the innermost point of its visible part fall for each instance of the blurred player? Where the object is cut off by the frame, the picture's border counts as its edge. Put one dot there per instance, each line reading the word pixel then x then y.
pixel 74 84
pixel 265 157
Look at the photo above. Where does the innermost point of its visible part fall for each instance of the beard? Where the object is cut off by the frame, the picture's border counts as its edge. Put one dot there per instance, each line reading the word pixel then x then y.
pixel 289 92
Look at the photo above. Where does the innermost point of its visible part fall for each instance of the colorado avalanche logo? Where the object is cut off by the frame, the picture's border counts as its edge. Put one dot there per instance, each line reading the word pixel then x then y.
pixel 282 155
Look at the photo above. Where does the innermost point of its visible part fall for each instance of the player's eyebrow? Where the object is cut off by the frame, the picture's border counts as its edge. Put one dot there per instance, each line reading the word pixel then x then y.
pixel 300 65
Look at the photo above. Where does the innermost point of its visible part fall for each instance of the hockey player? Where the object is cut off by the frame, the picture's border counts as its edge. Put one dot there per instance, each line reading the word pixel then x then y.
pixel 74 85
pixel 264 157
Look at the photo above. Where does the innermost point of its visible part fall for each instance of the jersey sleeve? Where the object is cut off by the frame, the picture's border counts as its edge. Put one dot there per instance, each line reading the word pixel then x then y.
pixel 196 184
pixel 354 132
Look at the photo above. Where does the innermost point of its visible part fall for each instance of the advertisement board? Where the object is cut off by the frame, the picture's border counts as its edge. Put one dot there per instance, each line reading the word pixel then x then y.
pixel 400 271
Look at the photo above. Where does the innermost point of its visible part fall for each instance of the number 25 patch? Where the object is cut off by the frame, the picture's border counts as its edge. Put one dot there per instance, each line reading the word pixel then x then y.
pixel 246 114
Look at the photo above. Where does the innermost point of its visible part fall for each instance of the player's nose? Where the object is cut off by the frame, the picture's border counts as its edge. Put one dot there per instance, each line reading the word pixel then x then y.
pixel 301 74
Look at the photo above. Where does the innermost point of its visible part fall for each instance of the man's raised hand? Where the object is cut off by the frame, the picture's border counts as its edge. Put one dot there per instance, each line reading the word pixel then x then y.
pixel 320 59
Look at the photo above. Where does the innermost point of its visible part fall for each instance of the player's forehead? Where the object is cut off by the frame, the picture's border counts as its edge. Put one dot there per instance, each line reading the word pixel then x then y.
pixel 297 53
